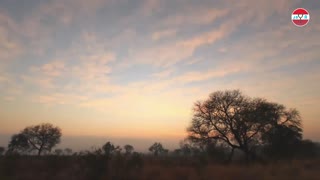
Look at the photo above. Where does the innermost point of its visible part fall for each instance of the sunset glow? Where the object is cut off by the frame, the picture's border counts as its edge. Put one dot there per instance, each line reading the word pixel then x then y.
pixel 133 69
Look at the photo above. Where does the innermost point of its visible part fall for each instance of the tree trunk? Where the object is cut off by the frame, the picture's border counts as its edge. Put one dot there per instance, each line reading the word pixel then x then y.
pixel 230 155
pixel 39 152
pixel 247 155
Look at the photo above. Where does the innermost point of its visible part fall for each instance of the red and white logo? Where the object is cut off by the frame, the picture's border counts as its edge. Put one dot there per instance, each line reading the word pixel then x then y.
pixel 300 17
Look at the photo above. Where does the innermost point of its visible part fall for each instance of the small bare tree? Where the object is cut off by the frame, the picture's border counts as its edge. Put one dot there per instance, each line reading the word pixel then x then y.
pixel 58 152
pixel 68 151
pixel 128 149
pixel 158 149
pixel 110 149
pixel 2 150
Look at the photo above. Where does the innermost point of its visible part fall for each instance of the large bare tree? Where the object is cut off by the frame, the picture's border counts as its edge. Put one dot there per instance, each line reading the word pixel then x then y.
pixel 239 121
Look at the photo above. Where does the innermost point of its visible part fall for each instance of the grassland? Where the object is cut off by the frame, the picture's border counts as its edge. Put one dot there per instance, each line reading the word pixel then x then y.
pixel 146 168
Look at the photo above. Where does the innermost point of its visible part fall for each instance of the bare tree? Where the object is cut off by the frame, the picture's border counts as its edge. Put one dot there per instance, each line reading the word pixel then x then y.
pixel 2 150
pixel 19 144
pixel 238 121
pixel 283 141
pixel 128 149
pixel 110 149
pixel 158 149
pixel 58 152
pixel 38 138
pixel 68 151
pixel 188 148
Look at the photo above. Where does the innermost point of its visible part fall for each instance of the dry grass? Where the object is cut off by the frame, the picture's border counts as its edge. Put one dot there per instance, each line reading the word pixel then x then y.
pixel 283 170
pixel 69 168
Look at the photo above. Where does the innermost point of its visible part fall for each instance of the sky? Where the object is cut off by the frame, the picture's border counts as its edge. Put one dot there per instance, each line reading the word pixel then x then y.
pixel 131 69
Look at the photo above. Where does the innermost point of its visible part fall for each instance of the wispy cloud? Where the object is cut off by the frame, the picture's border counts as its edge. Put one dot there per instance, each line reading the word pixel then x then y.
pixel 150 6
pixel 198 16
pixel 194 61
pixel 163 74
pixel 93 67
pixel 163 34
pixel 202 76
pixel 54 68
pixel 41 82
pixel 67 11
pixel 58 98
pixel 174 52
pixel 10 46
pixel 9 98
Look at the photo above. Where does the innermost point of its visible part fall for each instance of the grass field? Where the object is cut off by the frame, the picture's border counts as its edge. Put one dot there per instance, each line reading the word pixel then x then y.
pixel 124 167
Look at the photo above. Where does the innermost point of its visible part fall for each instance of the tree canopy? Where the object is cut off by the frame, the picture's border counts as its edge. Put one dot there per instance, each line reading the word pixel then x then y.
pixel 157 149
pixel 38 138
pixel 2 150
pixel 128 148
pixel 109 149
pixel 243 123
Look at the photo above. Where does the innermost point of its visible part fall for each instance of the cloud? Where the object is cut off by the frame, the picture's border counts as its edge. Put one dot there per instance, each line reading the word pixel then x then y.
pixel 52 69
pixel 235 12
pixel 10 46
pixel 8 84
pixel 89 73
pixel 257 16
pixel 204 39
pixel 164 82
pixel 89 37
pixel 4 78
pixel 150 6
pixel 67 11
pixel 194 61
pixel 93 67
pixel 280 87
pixel 164 55
pixel 222 50
pixel 198 16
pixel 275 48
pixel 42 82
pixel 9 98
pixel 34 29
pixel 46 75
pixel 163 34
pixel 169 54
pixel 58 98
pixel 202 76
pixel 137 103
pixel 163 74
